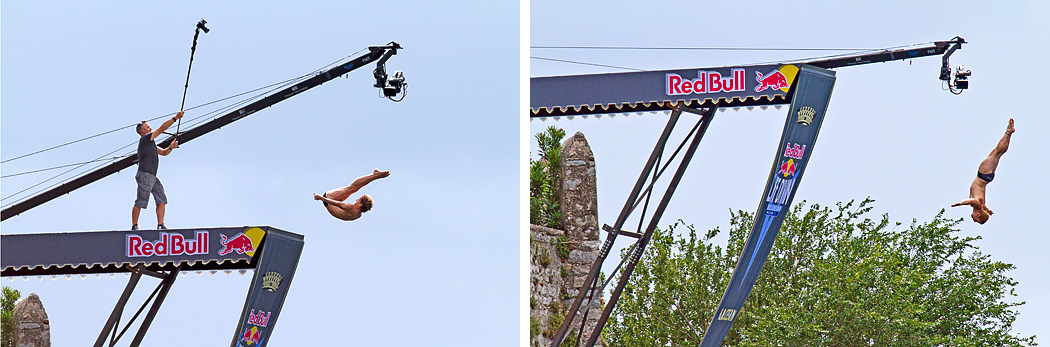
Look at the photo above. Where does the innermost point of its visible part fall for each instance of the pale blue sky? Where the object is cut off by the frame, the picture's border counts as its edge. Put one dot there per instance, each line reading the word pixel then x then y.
pixel 890 133
pixel 435 262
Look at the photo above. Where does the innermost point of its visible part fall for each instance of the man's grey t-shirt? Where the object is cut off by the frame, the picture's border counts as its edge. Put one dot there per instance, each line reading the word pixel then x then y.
pixel 147 154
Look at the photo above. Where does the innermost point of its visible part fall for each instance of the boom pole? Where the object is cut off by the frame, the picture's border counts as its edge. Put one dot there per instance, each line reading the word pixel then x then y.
pixel 375 53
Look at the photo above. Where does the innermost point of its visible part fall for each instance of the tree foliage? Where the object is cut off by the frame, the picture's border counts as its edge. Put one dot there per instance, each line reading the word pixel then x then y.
pixel 7 316
pixel 544 173
pixel 835 277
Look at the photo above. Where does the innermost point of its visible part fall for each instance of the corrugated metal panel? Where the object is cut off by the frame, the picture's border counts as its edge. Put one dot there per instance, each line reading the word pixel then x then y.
pixel 759 85
pixel 114 251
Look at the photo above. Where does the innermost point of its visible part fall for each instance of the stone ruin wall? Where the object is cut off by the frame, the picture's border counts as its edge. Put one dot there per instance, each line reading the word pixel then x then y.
pixel 555 278
pixel 32 328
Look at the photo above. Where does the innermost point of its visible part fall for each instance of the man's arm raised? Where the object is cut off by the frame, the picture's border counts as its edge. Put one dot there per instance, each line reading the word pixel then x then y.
pixel 970 201
pixel 164 126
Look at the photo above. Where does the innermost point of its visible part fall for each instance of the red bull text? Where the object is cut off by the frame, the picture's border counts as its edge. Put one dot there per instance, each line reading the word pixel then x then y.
pixel 259 319
pixel 773 80
pixel 168 244
pixel 795 152
pixel 706 82
pixel 240 243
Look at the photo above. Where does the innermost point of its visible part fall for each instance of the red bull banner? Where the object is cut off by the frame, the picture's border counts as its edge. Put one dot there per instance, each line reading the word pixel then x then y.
pixel 273 276
pixel 650 90
pixel 271 252
pixel 113 251
pixel 812 93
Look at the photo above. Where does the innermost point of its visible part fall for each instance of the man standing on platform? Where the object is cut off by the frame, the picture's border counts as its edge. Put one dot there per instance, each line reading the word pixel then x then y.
pixel 148 183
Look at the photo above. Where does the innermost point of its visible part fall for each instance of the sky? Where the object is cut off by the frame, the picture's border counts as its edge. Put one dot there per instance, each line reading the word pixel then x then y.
pixel 434 263
pixel 891 132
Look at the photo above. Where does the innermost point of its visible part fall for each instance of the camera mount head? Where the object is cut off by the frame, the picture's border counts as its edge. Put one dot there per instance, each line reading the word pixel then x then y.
pixel 959 81
pixel 391 86
pixel 202 25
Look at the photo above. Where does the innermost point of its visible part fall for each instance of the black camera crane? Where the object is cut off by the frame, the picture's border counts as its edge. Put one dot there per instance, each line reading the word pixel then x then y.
pixel 391 87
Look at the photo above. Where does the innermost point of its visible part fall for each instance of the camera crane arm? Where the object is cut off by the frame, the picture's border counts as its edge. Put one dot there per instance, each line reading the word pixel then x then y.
pixel 376 53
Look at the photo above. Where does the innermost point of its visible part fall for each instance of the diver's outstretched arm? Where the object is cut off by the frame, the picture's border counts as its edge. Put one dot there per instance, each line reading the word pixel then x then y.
pixel 327 200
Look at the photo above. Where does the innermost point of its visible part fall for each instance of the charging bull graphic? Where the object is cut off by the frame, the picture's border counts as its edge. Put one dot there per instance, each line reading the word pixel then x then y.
pixel 250 337
pixel 245 242
pixel 777 79
pixel 240 243
pixel 773 80
pixel 787 168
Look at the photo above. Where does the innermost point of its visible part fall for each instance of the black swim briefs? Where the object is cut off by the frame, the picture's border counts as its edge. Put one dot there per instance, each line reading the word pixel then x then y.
pixel 986 177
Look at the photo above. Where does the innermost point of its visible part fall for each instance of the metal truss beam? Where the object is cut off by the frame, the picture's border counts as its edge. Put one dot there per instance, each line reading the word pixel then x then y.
pixel 641 192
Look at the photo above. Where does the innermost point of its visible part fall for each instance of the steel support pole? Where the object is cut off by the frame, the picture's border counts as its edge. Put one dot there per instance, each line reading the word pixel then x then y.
pixel 592 276
pixel 653 222
pixel 119 308
pixel 166 285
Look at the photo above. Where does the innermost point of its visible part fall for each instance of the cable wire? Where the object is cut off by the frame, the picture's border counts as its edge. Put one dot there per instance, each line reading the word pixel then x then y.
pixel 133 143
pixel 59 175
pixel 698 48
pixel 839 55
pixel 852 52
pixel 57 167
pixel 585 63
pixel 148 120
pixel 223 110
pixel 188 109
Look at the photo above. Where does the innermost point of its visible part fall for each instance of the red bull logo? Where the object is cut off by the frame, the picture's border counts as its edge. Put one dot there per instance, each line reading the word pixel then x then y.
pixel 169 244
pixel 787 169
pixel 240 243
pixel 259 319
pixel 251 336
pixel 795 152
pixel 777 79
pixel 773 80
pixel 706 82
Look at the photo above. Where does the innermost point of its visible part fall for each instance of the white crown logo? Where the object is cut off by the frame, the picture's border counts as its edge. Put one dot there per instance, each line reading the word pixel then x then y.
pixel 805 115
pixel 271 281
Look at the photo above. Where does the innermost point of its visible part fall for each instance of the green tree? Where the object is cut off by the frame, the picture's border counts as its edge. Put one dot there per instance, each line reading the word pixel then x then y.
pixel 835 277
pixel 7 316
pixel 544 173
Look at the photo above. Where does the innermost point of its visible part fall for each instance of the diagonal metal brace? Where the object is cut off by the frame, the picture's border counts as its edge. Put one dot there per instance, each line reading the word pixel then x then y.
pixel 633 201
pixel 114 318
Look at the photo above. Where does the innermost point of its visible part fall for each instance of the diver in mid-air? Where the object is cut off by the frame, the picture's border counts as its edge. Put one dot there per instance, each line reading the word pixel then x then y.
pixel 333 199
pixel 985 174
